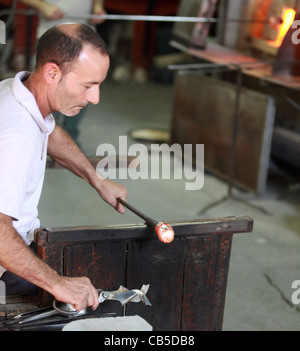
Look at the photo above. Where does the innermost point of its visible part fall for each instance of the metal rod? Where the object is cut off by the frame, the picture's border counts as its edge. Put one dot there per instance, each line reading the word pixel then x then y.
pixel 196 66
pixel 186 19
pixel 230 65
pixel 164 231
pixel 236 116
pixel 148 220
pixel 153 18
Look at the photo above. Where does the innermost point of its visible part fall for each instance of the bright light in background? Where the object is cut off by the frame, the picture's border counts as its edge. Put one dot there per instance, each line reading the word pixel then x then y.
pixel 288 17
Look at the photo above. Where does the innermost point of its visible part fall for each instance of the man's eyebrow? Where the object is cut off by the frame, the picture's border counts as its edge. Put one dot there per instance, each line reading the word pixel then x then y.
pixel 92 83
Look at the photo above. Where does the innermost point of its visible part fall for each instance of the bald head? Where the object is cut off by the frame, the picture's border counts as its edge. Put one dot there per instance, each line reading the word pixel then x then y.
pixel 63 44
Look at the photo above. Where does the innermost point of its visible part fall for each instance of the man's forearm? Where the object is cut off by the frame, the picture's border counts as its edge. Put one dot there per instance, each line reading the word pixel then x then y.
pixel 63 149
pixel 16 257
pixel 98 9
pixel 98 3
pixel 48 10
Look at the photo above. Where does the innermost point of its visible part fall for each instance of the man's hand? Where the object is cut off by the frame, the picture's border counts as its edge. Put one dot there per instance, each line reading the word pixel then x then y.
pixel 48 10
pixel 110 192
pixel 20 260
pixel 51 11
pixel 98 9
pixel 79 292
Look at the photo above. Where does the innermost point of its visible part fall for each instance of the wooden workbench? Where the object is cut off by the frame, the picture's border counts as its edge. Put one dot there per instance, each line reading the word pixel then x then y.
pixel 187 278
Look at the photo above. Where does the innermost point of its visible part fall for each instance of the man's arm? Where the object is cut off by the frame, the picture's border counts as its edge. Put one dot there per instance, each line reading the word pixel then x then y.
pixel 48 10
pixel 98 9
pixel 19 259
pixel 98 5
pixel 64 150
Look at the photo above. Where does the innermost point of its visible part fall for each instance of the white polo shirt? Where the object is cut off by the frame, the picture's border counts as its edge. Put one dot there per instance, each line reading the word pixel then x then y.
pixel 23 151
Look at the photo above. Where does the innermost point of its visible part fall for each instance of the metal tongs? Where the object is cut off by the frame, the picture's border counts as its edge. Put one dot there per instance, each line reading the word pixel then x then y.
pixel 123 295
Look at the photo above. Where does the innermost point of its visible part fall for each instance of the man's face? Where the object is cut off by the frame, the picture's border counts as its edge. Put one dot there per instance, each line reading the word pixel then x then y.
pixel 81 86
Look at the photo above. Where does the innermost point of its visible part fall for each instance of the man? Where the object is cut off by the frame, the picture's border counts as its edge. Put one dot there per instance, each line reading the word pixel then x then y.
pixel 72 62
pixel 55 12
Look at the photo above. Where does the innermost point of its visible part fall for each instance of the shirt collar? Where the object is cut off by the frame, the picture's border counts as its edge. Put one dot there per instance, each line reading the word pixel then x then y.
pixel 26 99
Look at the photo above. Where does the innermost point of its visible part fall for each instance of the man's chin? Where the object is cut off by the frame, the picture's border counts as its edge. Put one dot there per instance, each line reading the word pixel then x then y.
pixel 73 113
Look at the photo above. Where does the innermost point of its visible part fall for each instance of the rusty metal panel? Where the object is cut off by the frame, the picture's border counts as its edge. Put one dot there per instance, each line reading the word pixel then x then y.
pixel 204 113
pixel 194 34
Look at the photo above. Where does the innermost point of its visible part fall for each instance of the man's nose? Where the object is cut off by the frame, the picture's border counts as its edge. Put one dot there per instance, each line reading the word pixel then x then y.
pixel 94 95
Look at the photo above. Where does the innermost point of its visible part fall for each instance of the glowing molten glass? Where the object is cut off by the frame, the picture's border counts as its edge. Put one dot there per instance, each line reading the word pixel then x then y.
pixel 288 17
pixel 164 232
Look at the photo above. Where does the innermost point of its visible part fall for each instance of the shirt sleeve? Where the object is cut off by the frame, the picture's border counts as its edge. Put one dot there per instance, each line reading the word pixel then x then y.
pixel 15 166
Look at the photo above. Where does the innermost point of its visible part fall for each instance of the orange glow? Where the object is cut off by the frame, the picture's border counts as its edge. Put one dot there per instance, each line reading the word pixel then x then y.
pixel 288 16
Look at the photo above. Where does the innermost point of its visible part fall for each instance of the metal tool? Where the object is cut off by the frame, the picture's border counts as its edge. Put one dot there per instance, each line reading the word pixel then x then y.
pixel 38 320
pixel 186 19
pixel 153 18
pixel 124 295
pixel 65 310
pixel 163 230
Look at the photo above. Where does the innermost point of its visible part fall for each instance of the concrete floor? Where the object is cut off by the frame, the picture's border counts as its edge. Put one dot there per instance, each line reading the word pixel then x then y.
pixel 264 264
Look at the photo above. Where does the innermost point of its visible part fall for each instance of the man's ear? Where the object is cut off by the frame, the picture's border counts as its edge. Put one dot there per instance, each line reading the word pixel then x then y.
pixel 52 72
